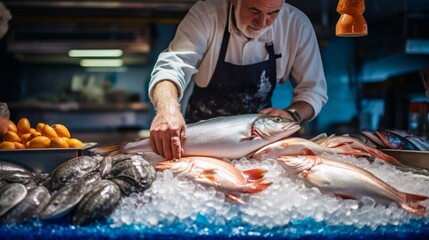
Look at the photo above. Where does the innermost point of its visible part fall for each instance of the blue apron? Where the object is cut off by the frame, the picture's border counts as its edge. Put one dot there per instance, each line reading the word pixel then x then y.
pixel 234 89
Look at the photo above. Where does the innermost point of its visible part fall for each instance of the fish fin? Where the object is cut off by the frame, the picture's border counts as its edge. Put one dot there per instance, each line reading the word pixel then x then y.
pixel 249 138
pixel 418 210
pixel 413 201
pixel 257 186
pixel 337 144
pixel 356 152
pixel 234 198
pixel 308 151
pixel 258 155
pixel 319 137
pixel 209 175
pixel 412 204
pixel 381 155
pixel 209 171
pixel 254 174
pixel 106 150
pixel 415 197
pixel 344 196
pixel 315 179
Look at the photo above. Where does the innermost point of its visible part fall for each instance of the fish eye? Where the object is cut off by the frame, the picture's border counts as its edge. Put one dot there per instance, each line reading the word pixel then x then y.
pixel 277 119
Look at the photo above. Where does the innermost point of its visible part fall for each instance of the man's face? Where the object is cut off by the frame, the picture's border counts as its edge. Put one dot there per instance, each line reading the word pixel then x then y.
pixel 253 17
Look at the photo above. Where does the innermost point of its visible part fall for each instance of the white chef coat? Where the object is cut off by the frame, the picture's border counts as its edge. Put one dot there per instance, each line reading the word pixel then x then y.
pixel 194 51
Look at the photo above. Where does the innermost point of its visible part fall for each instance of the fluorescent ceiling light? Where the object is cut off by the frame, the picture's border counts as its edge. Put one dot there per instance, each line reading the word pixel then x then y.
pixel 95 53
pixel 106 69
pixel 101 62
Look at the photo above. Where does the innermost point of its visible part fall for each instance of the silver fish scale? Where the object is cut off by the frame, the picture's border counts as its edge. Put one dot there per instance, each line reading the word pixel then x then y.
pixel 11 195
pixel 17 177
pixel 226 137
pixel 97 204
pixel 64 200
pixel 7 168
pixel 136 171
pixel 28 208
pixel 91 177
pixel 72 170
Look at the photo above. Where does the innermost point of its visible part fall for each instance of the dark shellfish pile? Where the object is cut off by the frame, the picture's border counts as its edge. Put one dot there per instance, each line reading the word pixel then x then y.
pixel 83 189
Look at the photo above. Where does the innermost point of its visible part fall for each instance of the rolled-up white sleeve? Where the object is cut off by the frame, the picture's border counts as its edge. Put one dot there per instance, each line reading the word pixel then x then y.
pixel 307 75
pixel 179 61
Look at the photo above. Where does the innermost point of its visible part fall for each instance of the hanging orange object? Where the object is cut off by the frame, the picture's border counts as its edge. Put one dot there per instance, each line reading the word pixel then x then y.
pixel 351 22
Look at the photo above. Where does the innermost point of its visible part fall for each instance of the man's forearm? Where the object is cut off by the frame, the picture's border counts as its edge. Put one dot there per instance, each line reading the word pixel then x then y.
pixel 165 97
pixel 304 109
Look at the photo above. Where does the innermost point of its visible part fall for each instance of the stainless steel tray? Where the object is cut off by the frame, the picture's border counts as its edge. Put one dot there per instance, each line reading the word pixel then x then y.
pixel 409 157
pixel 42 160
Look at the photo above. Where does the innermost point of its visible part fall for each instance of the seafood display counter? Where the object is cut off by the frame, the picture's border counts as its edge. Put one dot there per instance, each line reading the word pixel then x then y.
pixel 286 187
pixel 176 208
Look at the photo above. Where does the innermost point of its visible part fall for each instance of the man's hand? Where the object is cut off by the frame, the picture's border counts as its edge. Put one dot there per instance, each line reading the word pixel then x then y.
pixel 167 135
pixel 168 128
pixel 276 112
pixel 304 109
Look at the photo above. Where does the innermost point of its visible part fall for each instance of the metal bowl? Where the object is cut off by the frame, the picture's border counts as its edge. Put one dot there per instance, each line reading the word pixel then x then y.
pixel 409 157
pixel 42 160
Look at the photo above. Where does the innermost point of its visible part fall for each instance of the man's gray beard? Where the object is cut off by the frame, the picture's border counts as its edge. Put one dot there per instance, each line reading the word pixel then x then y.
pixel 242 28
pixel 254 35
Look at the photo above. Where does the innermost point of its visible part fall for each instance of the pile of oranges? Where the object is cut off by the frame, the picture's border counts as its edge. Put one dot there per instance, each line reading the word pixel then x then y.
pixel 22 136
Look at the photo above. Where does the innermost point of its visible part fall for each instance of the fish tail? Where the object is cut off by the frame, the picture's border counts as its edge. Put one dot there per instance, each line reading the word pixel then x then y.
pixel 254 174
pixel 109 150
pixel 357 152
pixel 381 155
pixel 412 204
pixel 257 186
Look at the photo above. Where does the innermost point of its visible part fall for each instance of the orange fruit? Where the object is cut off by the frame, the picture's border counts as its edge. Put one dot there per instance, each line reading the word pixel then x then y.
pixel 58 142
pixel 29 136
pixel 39 142
pixel 74 143
pixel 49 132
pixel 39 127
pixel 23 126
pixel 6 145
pixel 33 135
pixel 61 130
pixel 11 137
pixel 32 130
pixel 25 138
pixel 19 145
pixel 11 126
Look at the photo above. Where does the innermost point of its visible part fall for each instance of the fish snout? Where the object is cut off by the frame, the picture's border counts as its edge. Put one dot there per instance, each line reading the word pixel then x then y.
pixel 292 127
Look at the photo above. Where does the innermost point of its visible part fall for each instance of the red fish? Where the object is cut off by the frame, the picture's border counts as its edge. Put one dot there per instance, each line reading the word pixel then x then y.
pixel 301 146
pixel 349 181
pixel 336 141
pixel 218 173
